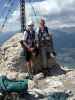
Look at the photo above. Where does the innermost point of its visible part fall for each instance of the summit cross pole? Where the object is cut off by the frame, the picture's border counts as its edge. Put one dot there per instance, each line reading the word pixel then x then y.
pixel 22 15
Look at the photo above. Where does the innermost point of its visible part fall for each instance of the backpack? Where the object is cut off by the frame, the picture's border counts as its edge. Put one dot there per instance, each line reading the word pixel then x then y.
pixel 44 37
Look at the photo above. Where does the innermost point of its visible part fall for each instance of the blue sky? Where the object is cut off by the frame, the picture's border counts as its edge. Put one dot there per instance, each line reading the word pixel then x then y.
pixel 58 13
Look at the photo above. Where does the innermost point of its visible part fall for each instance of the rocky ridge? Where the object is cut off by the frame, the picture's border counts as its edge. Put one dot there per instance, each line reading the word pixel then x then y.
pixel 62 84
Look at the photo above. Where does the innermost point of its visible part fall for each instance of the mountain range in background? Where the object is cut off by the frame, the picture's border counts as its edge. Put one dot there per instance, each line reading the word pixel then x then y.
pixel 64 44
pixel 64 37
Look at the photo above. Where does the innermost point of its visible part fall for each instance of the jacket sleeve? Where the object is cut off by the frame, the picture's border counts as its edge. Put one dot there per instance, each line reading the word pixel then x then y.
pixel 25 36
pixel 51 40
pixel 24 40
pixel 52 44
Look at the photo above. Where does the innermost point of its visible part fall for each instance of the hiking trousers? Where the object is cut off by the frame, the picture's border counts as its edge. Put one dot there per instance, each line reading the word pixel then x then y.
pixel 44 53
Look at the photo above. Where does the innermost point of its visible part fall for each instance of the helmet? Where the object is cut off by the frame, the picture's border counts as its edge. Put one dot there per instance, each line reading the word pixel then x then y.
pixel 30 23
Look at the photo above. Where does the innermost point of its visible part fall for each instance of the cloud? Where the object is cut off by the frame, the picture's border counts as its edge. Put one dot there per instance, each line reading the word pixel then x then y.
pixel 1 20
pixel 46 7
pixel 53 6
pixel 59 13
pixel 14 16
pixel 6 5
pixel 13 23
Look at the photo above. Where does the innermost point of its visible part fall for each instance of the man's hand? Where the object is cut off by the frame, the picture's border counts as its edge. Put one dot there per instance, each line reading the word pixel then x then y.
pixel 30 49
pixel 37 45
pixel 54 53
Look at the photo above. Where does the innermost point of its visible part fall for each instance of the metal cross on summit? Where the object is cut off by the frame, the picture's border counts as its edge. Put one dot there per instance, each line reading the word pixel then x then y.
pixel 22 15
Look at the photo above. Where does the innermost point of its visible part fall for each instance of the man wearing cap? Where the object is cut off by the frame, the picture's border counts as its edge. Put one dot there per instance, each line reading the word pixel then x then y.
pixel 45 44
pixel 29 42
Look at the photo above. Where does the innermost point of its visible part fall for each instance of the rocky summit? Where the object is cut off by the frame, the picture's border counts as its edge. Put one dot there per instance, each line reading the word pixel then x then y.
pixel 58 85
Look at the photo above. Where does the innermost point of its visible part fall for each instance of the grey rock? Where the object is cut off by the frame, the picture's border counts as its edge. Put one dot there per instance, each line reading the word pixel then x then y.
pixel 23 75
pixel 39 76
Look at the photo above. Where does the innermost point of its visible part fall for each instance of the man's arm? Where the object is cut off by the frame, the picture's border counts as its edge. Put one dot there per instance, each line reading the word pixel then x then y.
pixel 37 37
pixel 25 44
pixel 52 44
pixel 24 40
pixel 51 40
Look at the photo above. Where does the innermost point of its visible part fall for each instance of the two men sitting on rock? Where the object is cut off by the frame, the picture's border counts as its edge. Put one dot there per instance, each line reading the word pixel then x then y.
pixel 44 43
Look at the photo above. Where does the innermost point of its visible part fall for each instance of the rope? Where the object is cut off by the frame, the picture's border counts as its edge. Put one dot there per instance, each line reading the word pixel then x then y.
pixel 7 15
pixel 2 54
pixel 35 14
pixel 32 8
pixel 8 1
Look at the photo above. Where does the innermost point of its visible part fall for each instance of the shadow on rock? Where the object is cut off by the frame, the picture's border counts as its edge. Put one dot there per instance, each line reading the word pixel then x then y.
pixel 31 97
pixel 56 70
pixel 58 96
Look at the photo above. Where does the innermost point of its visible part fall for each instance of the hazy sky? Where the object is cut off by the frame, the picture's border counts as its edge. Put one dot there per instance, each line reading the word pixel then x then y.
pixel 58 13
